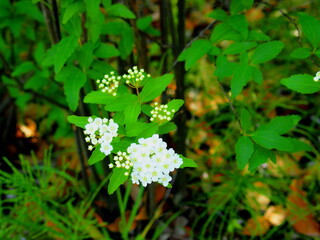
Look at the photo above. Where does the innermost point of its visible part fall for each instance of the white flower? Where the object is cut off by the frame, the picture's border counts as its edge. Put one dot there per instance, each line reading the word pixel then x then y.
pixel 106 148
pixel 151 161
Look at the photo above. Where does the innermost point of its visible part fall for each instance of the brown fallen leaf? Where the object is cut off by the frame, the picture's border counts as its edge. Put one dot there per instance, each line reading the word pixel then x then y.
pixel 276 215
pixel 256 226
pixel 300 213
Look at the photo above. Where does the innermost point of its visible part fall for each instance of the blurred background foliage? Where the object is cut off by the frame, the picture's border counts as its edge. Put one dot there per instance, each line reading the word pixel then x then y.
pixel 47 189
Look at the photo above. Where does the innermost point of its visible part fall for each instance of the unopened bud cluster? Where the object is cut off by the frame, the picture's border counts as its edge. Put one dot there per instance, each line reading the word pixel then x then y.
pixel 101 131
pixel 317 77
pixel 135 77
pixel 161 113
pixel 122 160
pixel 109 83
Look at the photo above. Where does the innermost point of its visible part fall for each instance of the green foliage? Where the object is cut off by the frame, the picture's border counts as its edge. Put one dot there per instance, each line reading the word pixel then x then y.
pixel 302 83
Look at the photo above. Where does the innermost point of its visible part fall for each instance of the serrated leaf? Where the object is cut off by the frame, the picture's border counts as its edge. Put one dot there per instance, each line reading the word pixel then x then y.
pixel 187 162
pixel 311 28
pixel 241 76
pixel 239 23
pixel 271 140
pixel 257 75
pixel 73 80
pixel 64 49
pixel 119 103
pixel 78 121
pixel 96 156
pixel 166 128
pixel 260 156
pixel 245 120
pixel 239 47
pixel 23 68
pixel 120 10
pixel 223 31
pixel 132 112
pixel 154 87
pixel 197 50
pixel 117 179
pixel 302 83
pixel 266 52
pixel 301 53
pixel 106 51
pixel 282 124
pixel 244 150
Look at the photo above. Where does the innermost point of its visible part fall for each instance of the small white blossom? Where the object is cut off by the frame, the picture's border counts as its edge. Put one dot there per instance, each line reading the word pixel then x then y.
pixel 135 78
pixel 317 77
pixel 151 161
pixel 109 84
pixel 160 113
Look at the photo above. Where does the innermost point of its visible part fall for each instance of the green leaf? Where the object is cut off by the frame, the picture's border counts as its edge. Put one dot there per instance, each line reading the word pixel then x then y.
pixel 106 51
pixel 245 120
pixel 214 51
pixel 267 51
pixel 119 10
pixel 36 82
pixel 244 150
pixel 239 47
pixel 260 156
pixel 136 128
pixel 63 51
pixel 257 36
pixel 301 53
pixel 27 8
pixel 197 50
pixel 117 179
pixel 257 75
pixel 236 6
pixel 218 14
pixel 73 79
pixel 175 104
pixel 98 97
pixel 151 129
pixel 144 24
pixel 241 76
pixel 23 68
pixel 78 121
pixel 96 156
pixel 281 125
pixel 302 83
pixel 72 9
pixel 271 140
pixel 240 24
pixel 93 9
pixel 187 162
pixel 223 31
pixel 299 146
pixel 311 28
pixel 132 112
pixel 85 55
pixel 126 42
pixel 166 128
pixel 119 103
pixel 154 87
pixel 120 146
pixel 224 67
pixel 247 3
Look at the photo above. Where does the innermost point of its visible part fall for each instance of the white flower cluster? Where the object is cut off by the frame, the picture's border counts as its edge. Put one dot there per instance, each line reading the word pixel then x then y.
pixel 161 113
pixel 152 161
pixel 135 77
pixel 101 131
pixel 317 77
pixel 109 83
pixel 122 160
